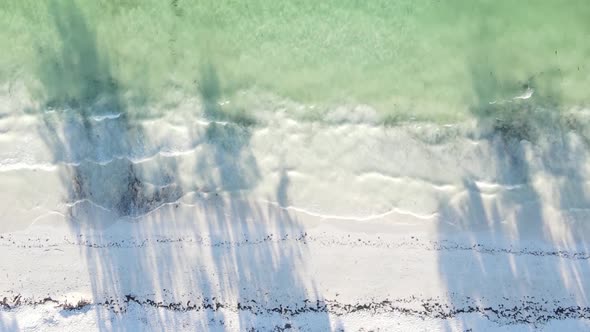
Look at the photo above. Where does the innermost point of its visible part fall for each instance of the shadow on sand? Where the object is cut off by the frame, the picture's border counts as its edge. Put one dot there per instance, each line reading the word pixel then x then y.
pixel 171 233
pixel 6 325
pixel 520 226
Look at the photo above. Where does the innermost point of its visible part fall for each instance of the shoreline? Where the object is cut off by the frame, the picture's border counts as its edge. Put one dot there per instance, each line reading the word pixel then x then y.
pixel 416 226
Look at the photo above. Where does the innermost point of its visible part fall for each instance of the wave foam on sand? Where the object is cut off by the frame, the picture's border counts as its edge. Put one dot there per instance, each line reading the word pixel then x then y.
pixel 188 222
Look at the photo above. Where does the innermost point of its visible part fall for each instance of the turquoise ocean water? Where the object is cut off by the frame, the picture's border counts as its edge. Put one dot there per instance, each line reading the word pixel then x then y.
pixel 441 61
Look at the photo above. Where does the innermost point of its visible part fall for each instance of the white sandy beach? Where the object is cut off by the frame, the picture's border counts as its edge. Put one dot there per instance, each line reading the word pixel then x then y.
pixel 288 224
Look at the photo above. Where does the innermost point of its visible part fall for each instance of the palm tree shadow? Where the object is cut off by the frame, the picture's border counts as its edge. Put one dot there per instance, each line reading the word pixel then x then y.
pixel 528 143
pixel 8 325
pixel 87 127
pixel 273 271
pixel 151 232
pixel 94 141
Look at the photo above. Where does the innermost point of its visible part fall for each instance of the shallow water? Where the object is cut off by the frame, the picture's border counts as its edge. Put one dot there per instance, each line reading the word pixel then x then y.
pixel 426 60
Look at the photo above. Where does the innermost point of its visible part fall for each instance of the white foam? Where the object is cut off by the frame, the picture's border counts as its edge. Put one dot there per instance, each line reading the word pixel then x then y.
pixel 104 117
pixel 29 167
pixel 526 95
